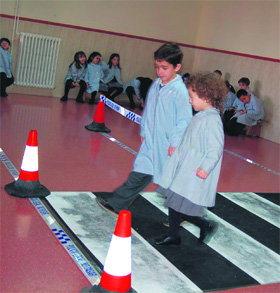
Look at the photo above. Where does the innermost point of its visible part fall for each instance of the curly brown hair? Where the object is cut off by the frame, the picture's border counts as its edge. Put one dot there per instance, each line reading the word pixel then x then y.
pixel 209 88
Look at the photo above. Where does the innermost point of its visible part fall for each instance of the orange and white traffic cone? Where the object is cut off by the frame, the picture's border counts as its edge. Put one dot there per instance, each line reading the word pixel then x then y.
pixel 28 184
pixel 116 275
pixel 98 124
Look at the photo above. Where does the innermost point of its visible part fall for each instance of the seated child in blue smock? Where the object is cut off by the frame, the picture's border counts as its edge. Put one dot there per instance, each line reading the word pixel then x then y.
pixel 75 77
pixel 230 98
pixel 112 84
pixel 190 177
pixel 139 86
pixel 249 115
pixel 6 76
pixel 93 75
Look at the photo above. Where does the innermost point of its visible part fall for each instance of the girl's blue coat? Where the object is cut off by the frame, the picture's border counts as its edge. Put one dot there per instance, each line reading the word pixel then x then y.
pixel 229 101
pixel 6 61
pixel 201 147
pixel 110 73
pixel 167 113
pixel 94 75
pixel 75 74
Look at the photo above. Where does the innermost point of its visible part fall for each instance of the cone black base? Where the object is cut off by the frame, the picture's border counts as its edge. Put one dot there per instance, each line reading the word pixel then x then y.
pixel 23 189
pixel 98 127
pixel 99 289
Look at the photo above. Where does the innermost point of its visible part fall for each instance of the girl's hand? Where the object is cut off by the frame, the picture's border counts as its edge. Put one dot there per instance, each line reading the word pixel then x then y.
pixel 142 138
pixel 87 85
pixel 75 84
pixel 201 174
pixel 171 150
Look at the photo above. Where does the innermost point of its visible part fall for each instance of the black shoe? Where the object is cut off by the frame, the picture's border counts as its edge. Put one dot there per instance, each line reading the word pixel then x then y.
pixel 105 206
pixel 80 101
pixel 63 99
pixel 103 194
pixel 207 232
pixel 168 240
pixel 166 223
pixel 4 95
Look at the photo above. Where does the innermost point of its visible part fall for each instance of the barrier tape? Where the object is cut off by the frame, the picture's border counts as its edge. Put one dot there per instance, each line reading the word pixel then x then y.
pixel 124 112
pixel 137 119
pixel 89 271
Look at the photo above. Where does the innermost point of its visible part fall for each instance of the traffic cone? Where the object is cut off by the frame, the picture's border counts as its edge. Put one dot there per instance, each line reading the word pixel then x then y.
pixel 116 275
pixel 98 124
pixel 28 184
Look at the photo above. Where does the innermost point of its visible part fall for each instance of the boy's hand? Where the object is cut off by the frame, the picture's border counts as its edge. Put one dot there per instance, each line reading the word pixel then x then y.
pixel 75 84
pixel 142 138
pixel 171 150
pixel 201 174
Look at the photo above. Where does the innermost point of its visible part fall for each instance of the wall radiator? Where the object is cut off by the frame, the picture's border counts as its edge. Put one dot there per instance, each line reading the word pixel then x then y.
pixel 37 61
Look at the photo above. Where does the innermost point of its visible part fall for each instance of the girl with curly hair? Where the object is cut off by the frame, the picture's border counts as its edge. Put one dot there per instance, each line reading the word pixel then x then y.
pixel 190 177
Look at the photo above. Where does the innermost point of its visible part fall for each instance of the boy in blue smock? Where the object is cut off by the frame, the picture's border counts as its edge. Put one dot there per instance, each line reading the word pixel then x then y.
pixel 247 113
pixel 6 76
pixel 166 115
pixel 190 177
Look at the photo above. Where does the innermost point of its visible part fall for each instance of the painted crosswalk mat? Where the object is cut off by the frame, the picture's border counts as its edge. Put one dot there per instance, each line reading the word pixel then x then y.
pixel 243 252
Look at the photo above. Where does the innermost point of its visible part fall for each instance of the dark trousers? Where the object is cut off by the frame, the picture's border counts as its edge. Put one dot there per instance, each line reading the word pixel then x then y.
pixel 113 92
pixel 126 194
pixel 231 126
pixel 4 83
pixel 69 85
pixel 175 218
pixel 130 92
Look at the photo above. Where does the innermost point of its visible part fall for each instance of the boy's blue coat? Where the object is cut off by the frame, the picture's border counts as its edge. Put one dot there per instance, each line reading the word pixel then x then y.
pixel 94 74
pixel 75 74
pixel 254 112
pixel 166 116
pixel 201 147
pixel 6 62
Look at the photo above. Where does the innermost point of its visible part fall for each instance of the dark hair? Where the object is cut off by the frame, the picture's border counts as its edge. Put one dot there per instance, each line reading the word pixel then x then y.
pixel 218 71
pixel 210 88
pixel 5 40
pixel 145 83
pixel 92 56
pixel 229 86
pixel 241 93
pixel 169 52
pixel 111 58
pixel 77 61
pixel 244 80
pixel 186 75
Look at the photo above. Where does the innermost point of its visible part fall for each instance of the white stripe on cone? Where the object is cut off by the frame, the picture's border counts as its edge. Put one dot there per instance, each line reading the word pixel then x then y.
pixel 118 260
pixel 30 159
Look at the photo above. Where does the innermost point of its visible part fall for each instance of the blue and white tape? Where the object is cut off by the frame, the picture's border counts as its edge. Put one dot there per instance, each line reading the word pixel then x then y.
pixel 124 112
pixel 89 271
